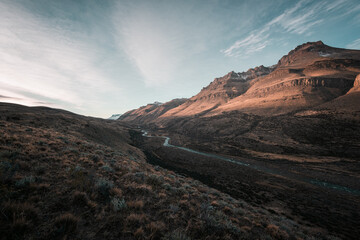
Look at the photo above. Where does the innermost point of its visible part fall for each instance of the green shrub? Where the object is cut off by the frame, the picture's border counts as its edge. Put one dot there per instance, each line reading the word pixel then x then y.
pixel 104 186
pixel 155 180
pixel 176 235
pixel 25 181
pixel 118 204
pixel 107 168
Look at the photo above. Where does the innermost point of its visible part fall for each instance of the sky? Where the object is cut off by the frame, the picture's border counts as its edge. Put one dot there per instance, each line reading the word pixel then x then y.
pixel 102 57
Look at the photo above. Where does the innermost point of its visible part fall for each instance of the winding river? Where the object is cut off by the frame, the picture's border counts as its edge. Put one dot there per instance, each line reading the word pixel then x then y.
pixel 258 167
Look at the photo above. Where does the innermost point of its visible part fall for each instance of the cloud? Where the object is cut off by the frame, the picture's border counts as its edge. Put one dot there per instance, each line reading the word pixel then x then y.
pixel 13 97
pixel 299 19
pixel 255 42
pixel 151 40
pixel 159 38
pixel 354 45
pixel 45 61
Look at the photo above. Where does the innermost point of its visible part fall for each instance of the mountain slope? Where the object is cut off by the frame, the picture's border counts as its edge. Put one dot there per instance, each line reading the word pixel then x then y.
pixel 151 111
pixel 219 92
pixel 309 75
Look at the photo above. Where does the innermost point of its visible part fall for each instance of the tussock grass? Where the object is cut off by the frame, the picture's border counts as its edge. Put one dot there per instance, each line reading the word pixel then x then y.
pixel 59 182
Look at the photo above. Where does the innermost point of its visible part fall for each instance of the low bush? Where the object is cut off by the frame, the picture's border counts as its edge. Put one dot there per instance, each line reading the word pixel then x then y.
pixel 103 187
pixel 25 181
pixel 118 204
pixel 176 235
pixel 65 224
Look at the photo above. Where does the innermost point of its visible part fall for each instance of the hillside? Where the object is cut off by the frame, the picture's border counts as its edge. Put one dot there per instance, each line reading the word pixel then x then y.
pixel 66 176
pixel 151 111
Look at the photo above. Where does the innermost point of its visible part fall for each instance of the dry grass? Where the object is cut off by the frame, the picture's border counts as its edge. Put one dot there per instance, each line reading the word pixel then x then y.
pixel 65 224
pixel 71 196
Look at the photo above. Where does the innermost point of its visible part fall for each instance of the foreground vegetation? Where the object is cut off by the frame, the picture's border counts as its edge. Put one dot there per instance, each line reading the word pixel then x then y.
pixel 58 181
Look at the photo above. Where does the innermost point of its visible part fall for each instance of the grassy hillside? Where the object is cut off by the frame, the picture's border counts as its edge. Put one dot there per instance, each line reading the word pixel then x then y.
pixel 65 176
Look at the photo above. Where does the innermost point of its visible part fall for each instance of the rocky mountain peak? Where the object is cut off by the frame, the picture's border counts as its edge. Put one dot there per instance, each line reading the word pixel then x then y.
pixel 304 51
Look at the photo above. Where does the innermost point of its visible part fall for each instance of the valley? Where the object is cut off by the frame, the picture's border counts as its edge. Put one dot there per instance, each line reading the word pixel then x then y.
pixel 285 137
pixel 282 187
pixel 179 120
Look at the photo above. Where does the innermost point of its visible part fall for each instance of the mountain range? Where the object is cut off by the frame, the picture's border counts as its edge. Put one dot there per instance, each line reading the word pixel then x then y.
pixel 307 77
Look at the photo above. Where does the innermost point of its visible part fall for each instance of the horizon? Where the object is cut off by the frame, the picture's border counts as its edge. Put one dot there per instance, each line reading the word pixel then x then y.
pixel 100 58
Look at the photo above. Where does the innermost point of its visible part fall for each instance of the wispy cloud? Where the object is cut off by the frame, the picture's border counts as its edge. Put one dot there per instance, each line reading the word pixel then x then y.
pixel 150 45
pixel 158 38
pixel 299 19
pixel 150 39
pixel 354 45
pixel 13 97
pixel 45 61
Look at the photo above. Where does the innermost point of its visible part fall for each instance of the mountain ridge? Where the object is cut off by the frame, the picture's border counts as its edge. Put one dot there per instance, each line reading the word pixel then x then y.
pixel 309 75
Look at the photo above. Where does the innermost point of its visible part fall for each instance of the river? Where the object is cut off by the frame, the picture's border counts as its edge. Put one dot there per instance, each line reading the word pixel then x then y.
pixel 259 167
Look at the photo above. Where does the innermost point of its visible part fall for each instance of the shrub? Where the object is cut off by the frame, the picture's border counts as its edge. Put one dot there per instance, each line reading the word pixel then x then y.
pixel 275 232
pixel 104 186
pixel 174 208
pixel 155 229
pixel 155 180
pixel 80 179
pixel 7 170
pixel 118 204
pixel 139 233
pixel 139 204
pixel 107 168
pixel 80 198
pixel 218 222
pixel 40 170
pixel 116 192
pixel 9 154
pixel 176 235
pixel 136 219
pixel 16 219
pixel 25 181
pixel 65 224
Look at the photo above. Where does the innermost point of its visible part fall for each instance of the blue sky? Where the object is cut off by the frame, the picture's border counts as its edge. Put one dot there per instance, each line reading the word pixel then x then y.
pixel 102 57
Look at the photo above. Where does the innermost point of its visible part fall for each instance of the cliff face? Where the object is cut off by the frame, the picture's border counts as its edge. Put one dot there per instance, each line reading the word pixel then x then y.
pixel 219 92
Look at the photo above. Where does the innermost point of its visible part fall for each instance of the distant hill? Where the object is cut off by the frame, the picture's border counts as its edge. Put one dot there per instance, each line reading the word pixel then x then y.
pixel 114 117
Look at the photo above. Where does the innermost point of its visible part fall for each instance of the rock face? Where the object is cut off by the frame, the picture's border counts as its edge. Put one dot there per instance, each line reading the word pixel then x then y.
pixel 356 87
pixel 219 92
pixel 309 75
pixel 151 111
